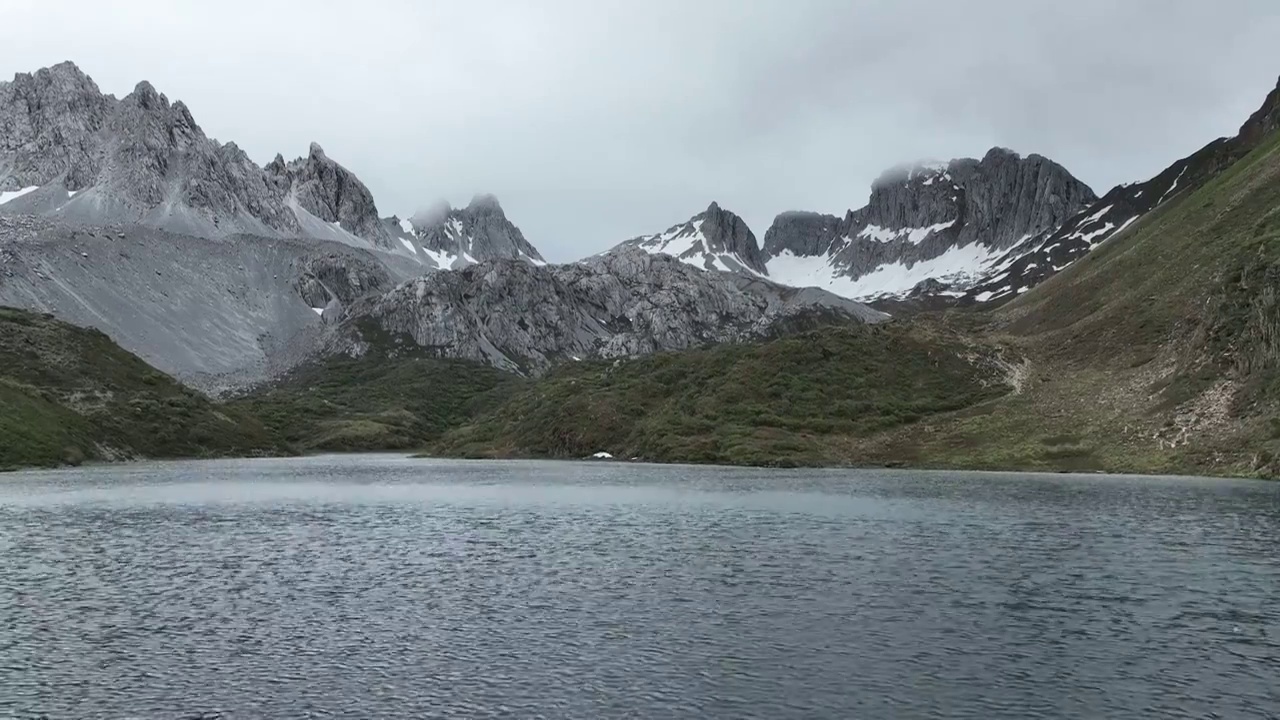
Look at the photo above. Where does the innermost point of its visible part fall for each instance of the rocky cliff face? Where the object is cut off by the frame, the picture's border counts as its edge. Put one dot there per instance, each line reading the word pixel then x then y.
pixel 714 239
pixel 455 238
pixel 944 223
pixel 48 123
pixel 69 149
pixel 142 159
pixel 330 193
pixel 524 318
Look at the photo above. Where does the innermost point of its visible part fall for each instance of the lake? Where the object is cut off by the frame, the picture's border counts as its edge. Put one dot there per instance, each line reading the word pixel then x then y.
pixel 380 587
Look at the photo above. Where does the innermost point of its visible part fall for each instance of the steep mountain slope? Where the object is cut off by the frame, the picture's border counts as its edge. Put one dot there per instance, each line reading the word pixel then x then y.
pixel 1156 352
pixel 68 394
pixel 714 239
pixel 940 223
pixel 215 313
pixel 521 317
pixel 1030 262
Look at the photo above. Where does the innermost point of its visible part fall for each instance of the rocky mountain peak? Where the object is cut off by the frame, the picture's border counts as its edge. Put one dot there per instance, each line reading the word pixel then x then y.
pixel 725 233
pixel 65 74
pixel 907 172
pixel 998 153
pixel 1263 121
pixel 997 201
pixel 485 203
pixel 476 233
pixel 48 123
pixel 800 233
pixel 145 160
pixel 927 220
pixel 332 193
pixel 431 215
pixel 714 239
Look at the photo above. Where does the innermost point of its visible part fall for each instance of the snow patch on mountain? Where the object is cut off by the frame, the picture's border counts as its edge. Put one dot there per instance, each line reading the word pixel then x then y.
pixel 912 235
pixel 6 196
pixel 956 266
pixel 946 223
pixel 690 245
pixel 714 239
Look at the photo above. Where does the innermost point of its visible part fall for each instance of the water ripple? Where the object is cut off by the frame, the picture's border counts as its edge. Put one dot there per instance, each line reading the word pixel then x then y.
pixel 382 587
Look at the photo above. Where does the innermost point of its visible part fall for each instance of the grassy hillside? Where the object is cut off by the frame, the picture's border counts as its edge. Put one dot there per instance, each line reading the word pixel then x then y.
pixel 1157 352
pixel 782 402
pixel 69 394
pixel 376 402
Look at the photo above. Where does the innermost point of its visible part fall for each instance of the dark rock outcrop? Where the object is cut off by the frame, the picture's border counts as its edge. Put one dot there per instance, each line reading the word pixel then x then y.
pixel 523 318
pixel 802 233
pixel 330 192
pixel 323 278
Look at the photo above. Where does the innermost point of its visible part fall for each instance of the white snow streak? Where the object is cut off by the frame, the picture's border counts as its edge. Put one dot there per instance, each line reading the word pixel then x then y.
pixel 408 246
pixel 1088 237
pixel 1174 186
pixel 687 244
pixel 1097 215
pixel 914 235
pixel 917 235
pixel 406 226
pixel 1124 225
pixel 8 195
pixel 877 233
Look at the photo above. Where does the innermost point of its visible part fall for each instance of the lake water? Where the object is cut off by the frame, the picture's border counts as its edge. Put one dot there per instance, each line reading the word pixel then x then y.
pixel 377 586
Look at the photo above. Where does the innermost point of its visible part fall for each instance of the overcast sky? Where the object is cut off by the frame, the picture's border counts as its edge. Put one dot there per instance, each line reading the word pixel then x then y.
pixel 597 120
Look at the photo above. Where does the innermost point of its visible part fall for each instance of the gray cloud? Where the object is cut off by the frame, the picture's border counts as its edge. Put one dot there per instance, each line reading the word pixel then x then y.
pixel 598 120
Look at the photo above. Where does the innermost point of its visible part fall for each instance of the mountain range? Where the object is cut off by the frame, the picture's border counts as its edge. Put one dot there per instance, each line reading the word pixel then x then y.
pixel 122 215
pixel 69 151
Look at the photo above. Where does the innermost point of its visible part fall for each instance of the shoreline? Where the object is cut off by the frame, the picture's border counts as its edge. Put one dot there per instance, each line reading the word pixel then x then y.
pixel 406 455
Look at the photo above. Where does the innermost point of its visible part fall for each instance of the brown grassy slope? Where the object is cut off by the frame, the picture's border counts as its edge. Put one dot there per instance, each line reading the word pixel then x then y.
pixel 1157 352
